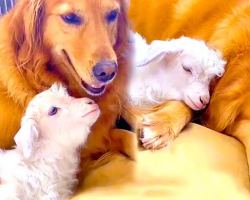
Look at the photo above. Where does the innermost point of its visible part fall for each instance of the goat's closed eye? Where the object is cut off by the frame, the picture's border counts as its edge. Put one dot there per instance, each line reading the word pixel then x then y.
pixel 53 111
pixel 187 69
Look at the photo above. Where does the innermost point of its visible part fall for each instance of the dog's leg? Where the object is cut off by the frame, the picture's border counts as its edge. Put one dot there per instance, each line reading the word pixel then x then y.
pixel 121 141
pixel 10 119
pixel 103 141
pixel 160 128
pixel 124 142
pixel 241 130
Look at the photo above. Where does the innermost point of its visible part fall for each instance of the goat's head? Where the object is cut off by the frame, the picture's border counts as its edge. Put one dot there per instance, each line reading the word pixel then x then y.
pixel 190 66
pixel 55 116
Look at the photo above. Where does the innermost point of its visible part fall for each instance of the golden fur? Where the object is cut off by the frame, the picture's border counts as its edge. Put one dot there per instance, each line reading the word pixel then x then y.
pixel 32 37
pixel 222 24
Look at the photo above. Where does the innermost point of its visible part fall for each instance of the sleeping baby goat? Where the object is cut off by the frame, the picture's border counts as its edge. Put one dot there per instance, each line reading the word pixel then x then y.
pixel 45 161
pixel 178 69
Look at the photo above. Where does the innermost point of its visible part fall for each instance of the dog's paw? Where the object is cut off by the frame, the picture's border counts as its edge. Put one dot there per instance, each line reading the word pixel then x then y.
pixel 156 135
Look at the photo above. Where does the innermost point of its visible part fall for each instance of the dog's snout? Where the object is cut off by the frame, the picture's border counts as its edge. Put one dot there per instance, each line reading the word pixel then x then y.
pixel 105 71
pixel 204 99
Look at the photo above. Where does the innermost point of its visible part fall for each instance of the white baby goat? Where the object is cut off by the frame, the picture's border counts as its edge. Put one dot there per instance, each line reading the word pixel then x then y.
pixel 44 164
pixel 178 69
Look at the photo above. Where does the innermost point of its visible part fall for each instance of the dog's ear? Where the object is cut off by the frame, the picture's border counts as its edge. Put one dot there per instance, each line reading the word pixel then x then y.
pixel 26 137
pixel 123 27
pixel 156 51
pixel 26 26
pixel 127 3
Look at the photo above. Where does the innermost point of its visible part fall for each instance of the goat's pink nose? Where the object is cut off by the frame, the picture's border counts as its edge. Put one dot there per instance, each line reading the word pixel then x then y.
pixel 204 99
pixel 89 101
pixel 85 101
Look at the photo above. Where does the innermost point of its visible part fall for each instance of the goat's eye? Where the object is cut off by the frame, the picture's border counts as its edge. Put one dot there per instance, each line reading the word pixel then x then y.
pixel 187 69
pixel 112 16
pixel 72 19
pixel 53 111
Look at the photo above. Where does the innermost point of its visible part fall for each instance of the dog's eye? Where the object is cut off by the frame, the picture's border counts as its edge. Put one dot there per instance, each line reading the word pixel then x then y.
pixel 53 111
pixel 72 19
pixel 112 16
pixel 187 69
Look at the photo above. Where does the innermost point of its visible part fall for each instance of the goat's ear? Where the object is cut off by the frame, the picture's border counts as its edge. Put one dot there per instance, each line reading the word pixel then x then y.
pixel 140 48
pixel 26 137
pixel 59 89
pixel 221 64
pixel 158 50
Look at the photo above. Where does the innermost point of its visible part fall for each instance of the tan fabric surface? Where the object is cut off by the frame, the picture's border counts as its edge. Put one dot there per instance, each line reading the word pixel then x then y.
pixel 200 164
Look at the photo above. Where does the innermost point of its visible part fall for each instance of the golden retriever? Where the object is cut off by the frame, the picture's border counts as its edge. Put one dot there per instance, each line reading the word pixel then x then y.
pixel 225 26
pixel 80 43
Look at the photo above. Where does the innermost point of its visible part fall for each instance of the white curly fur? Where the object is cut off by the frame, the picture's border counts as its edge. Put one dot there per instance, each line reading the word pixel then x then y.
pixel 45 161
pixel 160 75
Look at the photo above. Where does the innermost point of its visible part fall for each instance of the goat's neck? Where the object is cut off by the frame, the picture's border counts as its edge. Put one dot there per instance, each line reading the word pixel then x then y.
pixel 57 152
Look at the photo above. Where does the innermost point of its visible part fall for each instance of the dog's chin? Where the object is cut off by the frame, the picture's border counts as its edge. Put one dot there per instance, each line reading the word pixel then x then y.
pixel 93 89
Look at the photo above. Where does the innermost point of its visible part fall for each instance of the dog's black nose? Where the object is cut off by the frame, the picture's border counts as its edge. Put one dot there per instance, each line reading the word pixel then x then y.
pixel 105 71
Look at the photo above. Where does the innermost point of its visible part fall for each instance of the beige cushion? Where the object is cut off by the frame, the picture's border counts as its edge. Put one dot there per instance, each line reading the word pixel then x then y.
pixel 200 164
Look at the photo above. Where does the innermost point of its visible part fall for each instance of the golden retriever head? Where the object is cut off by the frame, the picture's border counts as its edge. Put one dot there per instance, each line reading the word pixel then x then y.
pixel 80 41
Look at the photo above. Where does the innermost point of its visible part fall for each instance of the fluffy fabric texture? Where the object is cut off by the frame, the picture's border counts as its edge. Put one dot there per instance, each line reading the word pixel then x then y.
pixel 46 159
pixel 179 69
